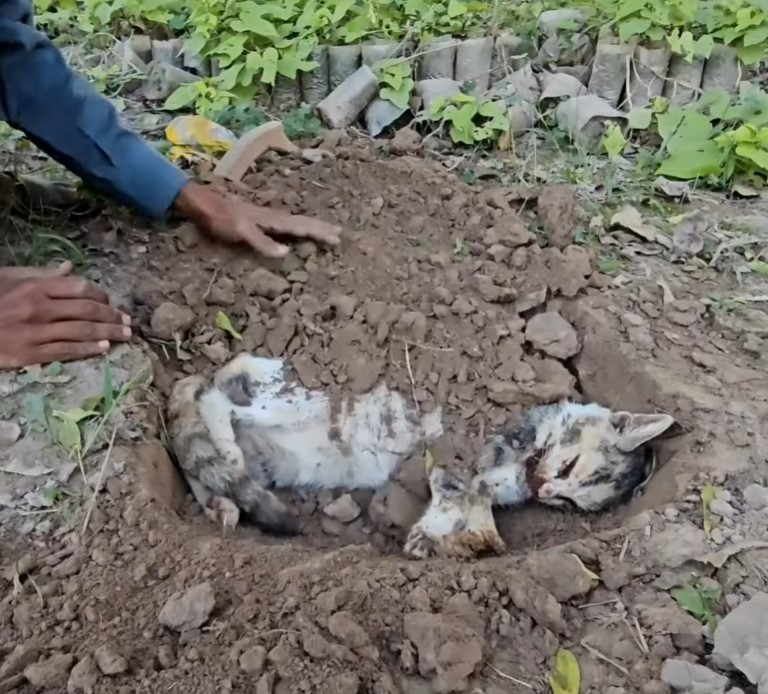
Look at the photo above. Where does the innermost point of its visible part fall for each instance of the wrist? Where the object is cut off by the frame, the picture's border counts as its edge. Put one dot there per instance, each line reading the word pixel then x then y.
pixel 190 202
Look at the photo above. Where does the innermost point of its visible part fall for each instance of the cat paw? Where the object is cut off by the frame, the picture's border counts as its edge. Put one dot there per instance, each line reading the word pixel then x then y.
pixel 223 512
pixel 419 545
pixel 470 544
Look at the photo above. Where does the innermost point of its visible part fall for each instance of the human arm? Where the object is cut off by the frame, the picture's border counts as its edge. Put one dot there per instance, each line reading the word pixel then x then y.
pixel 70 121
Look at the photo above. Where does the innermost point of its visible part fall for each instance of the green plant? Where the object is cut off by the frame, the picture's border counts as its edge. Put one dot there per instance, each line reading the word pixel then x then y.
pixel 742 24
pixel 395 80
pixel 698 601
pixel 470 120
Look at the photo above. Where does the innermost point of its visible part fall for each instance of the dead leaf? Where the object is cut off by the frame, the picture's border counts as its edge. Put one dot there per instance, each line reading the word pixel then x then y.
pixel 631 220
pixel 675 190
pixel 688 236
pixel 16 467
pixel 708 494
pixel 667 296
pixel 718 559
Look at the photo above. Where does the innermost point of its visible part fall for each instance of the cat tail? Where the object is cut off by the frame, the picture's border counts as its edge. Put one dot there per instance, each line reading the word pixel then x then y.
pixel 265 509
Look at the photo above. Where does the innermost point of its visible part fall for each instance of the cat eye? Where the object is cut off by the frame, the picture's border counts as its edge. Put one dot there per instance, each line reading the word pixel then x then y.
pixel 568 468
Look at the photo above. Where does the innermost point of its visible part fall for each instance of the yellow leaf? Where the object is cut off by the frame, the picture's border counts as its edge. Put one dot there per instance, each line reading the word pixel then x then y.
pixel 590 574
pixel 182 152
pixel 708 494
pixel 199 132
pixel 566 677
pixel 225 324
pixel 429 462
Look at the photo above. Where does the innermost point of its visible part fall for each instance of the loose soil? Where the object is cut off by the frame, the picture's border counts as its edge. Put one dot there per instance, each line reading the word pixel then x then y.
pixel 473 299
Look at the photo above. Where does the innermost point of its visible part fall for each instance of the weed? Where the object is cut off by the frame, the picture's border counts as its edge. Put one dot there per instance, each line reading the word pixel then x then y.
pixel 698 602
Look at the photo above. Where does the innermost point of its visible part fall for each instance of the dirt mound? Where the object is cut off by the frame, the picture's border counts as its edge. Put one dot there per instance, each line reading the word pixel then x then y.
pixel 470 299
pixel 443 291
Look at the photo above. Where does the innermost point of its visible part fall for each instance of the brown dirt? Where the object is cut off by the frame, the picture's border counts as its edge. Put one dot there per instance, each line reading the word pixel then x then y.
pixel 430 290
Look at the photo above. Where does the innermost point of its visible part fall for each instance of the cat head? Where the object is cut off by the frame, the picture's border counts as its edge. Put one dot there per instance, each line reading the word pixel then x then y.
pixel 595 460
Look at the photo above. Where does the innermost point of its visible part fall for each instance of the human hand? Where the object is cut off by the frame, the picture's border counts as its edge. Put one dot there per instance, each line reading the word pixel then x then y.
pixel 55 318
pixel 228 217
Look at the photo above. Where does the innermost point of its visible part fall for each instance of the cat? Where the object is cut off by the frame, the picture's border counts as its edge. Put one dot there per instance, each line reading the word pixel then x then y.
pixel 248 430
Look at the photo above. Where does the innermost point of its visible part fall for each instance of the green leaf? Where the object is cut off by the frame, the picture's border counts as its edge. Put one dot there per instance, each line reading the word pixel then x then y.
pixel 640 118
pixel 566 677
pixel 633 27
pixel 181 97
pixel 613 141
pixel 703 159
pixel 108 388
pixel 750 55
pixel 68 435
pixel 269 59
pixel 755 154
pixel 400 97
pixel 690 600
pixel 759 267
pixel 456 8
pixel 224 324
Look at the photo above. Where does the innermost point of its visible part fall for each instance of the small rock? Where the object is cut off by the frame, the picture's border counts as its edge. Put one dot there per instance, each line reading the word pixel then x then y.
pixel 166 657
pixel 741 639
pixel 756 496
pixel 405 141
pixel 222 292
pixel 343 509
pixel 377 204
pixel 552 334
pixel 83 678
pixel 189 609
pixel 345 628
pixel 560 574
pixel 253 660
pixel 314 156
pixel 15 662
pixel 109 661
pixel 51 673
pixel 345 683
pixel 9 433
pixel 265 684
pixel 557 209
pixel 685 676
pixel 722 508
pixel 262 282
pixel 170 318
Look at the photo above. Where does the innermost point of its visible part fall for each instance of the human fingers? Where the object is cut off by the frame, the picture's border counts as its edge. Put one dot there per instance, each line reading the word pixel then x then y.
pixel 71 288
pixel 81 331
pixel 80 310
pixel 16 274
pixel 300 226
pixel 261 243
pixel 64 351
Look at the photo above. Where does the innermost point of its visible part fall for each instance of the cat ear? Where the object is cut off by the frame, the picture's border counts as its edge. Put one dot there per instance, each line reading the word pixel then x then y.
pixel 636 429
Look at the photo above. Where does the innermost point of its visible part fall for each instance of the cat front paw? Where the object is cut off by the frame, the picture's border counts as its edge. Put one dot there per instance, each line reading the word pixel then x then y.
pixel 418 544
pixel 470 544
pixel 223 512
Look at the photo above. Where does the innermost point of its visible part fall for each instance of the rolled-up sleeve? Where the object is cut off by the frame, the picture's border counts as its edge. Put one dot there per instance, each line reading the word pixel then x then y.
pixel 71 122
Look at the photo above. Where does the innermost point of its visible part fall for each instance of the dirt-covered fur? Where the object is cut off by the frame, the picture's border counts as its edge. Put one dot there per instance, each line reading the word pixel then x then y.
pixel 232 444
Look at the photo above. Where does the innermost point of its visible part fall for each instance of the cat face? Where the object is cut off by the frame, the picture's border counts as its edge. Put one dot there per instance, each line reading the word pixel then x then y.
pixel 596 460
pixel 573 454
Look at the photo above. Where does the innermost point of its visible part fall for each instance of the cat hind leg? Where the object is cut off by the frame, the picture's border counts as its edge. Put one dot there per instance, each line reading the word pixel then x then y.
pixel 480 535
pixel 265 509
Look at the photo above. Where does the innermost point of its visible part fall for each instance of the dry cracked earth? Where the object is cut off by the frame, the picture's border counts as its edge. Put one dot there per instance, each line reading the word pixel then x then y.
pixel 474 299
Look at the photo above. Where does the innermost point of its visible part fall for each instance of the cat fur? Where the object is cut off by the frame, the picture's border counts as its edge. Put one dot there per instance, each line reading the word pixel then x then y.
pixel 233 443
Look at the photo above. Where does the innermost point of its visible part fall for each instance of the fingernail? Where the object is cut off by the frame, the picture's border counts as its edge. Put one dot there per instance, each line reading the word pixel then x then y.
pixel 103 345
pixel 126 319
pixel 126 332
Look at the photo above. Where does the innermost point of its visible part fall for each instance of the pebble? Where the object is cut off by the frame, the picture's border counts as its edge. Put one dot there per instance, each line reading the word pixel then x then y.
pixel 83 678
pixel 722 508
pixel 717 536
pixel 671 513
pixel 756 497
pixel 680 674
pixel 9 433
pixel 51 673
pixel 253 660
pixel 110 662
pixel 343 509
pixel 189 609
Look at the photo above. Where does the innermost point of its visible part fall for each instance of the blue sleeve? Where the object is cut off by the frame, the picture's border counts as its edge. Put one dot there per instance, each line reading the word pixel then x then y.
pixel 71 122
